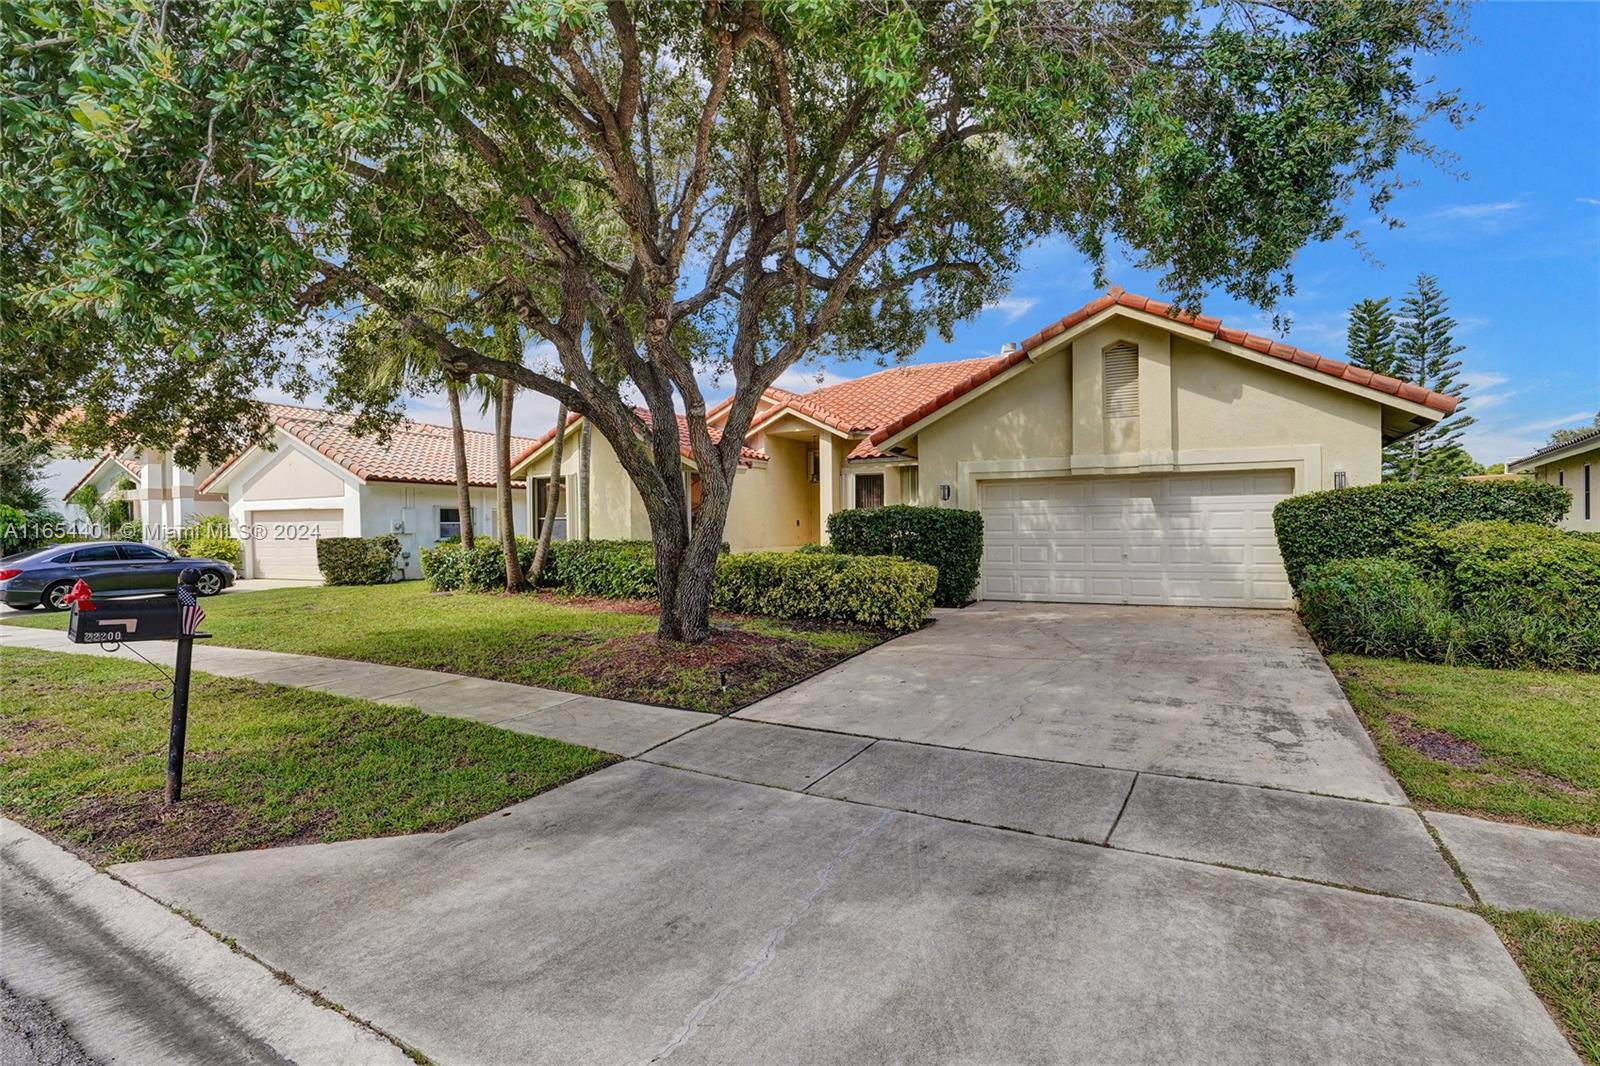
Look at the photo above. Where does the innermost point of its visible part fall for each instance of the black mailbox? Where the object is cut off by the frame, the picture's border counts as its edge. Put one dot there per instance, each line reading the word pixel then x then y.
pixel 116 621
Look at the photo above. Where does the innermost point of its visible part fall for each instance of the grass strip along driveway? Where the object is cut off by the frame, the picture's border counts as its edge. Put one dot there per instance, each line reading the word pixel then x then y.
pixel 591 647
pixel 85 760
pixel 1517 745
pixel 1561 958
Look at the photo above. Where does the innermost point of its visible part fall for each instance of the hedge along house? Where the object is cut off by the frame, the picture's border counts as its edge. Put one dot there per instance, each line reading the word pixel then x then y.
pixel 164 496
pixel 1574 464
pixel 316 478
pixel 1124 454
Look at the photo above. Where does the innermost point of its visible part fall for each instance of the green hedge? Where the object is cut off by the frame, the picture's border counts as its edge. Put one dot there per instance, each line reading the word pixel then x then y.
pixel 825 586
pixel 1533 568
pixel 1371 519
pixel 227 549
pixel 614 569
pixel 949 540
pixel 1491 594
pixel 357 560
pixel 873 590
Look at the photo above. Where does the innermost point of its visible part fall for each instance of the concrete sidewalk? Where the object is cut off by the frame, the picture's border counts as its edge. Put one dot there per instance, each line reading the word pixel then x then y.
pixel 606 725
pixel 130 981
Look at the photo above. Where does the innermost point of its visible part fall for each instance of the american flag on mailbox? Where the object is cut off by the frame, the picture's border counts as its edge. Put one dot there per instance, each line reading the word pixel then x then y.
pixel 193 613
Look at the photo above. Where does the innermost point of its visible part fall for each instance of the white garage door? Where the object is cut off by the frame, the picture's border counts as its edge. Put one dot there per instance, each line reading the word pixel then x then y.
pixel 286 544
pixel 1194 539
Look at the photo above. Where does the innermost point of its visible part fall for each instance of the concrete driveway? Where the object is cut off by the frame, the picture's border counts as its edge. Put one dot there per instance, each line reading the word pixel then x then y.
pixel 1034 874
pixel 1228 695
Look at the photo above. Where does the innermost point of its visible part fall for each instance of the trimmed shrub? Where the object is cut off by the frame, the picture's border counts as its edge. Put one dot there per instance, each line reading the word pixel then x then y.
pixel 613 569
pixel 357 560
pixel 1531 568
pixel 1393 607
pixel 949 540
pixel 1376 607
pixel 226 549
pixel 1369 520
pixel 826 586
pixel 873 590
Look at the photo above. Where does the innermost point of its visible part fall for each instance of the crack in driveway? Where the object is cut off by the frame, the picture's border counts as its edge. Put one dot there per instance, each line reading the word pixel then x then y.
pixel 769 949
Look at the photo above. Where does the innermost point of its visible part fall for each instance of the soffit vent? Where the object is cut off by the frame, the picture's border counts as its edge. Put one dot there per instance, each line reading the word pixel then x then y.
pixel 1122 380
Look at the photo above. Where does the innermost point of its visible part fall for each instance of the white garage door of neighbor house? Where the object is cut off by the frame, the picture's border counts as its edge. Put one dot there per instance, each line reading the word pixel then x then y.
pixel 289 548
pixel 1197 540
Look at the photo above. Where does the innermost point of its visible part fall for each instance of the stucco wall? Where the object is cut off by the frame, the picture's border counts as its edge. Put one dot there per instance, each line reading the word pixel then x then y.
pixel 290 474
pixel 1025 417
pixel 1569 472
pixel 1199 409
pixel 416 507
pixel 773 507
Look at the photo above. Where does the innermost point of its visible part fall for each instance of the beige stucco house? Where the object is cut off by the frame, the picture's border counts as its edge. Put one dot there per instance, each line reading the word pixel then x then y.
pixel 1123 454
pixel 1573 464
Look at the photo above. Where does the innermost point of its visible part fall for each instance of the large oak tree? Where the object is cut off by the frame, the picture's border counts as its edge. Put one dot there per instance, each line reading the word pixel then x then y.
pixel 661 193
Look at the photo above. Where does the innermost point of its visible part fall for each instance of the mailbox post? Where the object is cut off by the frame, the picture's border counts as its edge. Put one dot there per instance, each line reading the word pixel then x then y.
pixel 155 619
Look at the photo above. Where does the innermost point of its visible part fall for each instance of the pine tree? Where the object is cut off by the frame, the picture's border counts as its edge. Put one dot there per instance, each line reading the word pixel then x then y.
pixel 1370 340
pixel 1426 353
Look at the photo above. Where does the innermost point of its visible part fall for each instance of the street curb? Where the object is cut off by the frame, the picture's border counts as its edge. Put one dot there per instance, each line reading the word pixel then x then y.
pixel 135 982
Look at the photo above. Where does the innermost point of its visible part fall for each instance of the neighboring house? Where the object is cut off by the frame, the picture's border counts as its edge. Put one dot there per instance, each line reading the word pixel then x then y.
pixel 164 497
pixel 316 478
pixel 1573 464
pixel 1120 455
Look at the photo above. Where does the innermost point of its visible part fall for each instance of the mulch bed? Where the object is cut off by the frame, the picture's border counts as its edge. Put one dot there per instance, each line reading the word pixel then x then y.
pixel 747 666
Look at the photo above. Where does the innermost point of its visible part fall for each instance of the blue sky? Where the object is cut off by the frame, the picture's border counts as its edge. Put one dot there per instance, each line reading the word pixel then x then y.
pixel 1514 240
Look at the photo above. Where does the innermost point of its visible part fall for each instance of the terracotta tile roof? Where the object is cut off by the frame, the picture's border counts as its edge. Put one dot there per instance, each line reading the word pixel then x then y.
pixel 1115 297
pixel 746 455
pixel 864 405
pixel 415 452
pixel 1265 345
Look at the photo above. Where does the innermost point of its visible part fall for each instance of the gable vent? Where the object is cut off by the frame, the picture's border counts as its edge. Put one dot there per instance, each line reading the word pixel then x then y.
pixel 1122 380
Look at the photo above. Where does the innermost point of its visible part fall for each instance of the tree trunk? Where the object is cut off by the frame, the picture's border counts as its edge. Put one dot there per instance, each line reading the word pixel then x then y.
pixel 458 438
pixel 585 451
pixel 686 558
pixel 547 528
pixel 515 582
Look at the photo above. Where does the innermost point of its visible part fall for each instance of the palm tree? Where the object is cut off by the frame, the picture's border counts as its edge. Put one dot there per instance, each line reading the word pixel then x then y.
pixel 458 439
pixel 547 530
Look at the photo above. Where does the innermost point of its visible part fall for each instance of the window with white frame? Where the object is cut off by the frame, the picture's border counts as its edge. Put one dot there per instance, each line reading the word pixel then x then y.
pixel 449 522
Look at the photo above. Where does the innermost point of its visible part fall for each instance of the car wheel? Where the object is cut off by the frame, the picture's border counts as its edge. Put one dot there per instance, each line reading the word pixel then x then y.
pixel 209 583
pixel 54 595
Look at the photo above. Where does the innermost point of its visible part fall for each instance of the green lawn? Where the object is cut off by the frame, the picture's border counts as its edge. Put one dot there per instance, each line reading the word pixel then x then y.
pixel 1514 744
pixel 85 761
pixel 593 647
pixel 1561 958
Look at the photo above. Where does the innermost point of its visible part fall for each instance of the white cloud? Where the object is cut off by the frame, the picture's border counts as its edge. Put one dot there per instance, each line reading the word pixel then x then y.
pixel 1481 212
pixel 1013 307
pixel 1592 201
pixel 1484 389
pixel 805 378
pixel 1555 423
